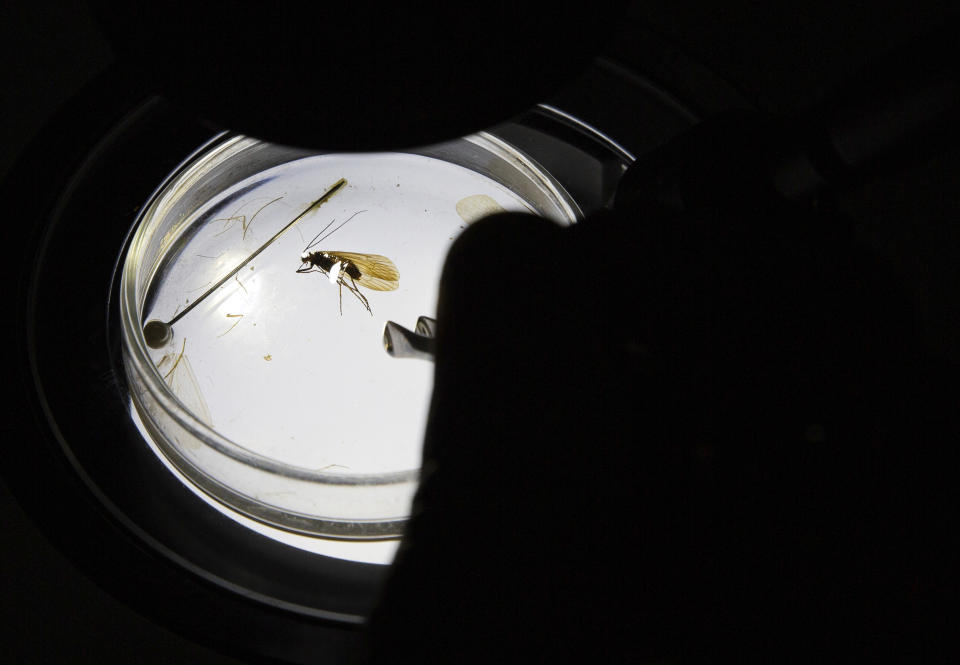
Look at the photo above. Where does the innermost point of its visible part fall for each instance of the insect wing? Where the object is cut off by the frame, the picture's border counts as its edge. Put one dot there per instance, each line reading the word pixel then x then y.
pixel 183 383
pixel 377 273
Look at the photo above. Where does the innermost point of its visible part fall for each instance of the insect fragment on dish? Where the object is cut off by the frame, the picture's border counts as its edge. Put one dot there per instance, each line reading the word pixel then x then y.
pixel 350 269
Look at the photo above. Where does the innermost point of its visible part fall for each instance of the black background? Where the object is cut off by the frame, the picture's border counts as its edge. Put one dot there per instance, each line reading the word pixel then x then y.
pixel 782 56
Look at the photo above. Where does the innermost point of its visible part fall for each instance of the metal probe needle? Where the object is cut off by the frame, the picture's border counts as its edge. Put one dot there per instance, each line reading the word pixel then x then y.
pixel 157 333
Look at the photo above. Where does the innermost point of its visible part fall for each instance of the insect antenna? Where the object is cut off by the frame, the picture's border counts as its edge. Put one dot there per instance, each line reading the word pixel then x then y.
pixel 317 239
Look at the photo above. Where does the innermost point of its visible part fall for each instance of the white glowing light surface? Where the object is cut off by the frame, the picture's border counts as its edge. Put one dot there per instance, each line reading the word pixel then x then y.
pixel 278 369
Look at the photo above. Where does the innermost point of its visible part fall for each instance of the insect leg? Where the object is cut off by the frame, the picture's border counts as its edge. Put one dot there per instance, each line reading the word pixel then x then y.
pixel 248 224
pixel 183 348
pixel 356 291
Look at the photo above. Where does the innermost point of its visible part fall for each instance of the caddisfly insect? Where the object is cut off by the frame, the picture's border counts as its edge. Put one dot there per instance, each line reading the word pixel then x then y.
pixel 350 269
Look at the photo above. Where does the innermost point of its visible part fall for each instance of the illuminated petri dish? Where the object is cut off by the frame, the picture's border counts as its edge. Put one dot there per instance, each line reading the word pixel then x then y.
pixel 270 391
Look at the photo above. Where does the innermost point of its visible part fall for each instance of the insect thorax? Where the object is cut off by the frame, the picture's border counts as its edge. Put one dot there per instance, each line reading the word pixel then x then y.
pixel 326 261
pixel 321 260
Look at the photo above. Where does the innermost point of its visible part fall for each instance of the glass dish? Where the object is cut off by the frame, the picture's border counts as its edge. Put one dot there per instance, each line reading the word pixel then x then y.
pixel 274 395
